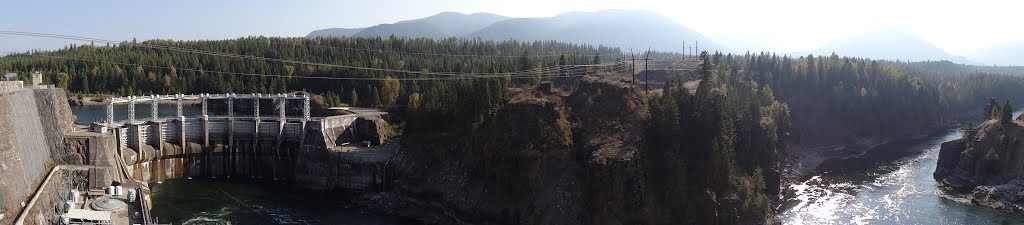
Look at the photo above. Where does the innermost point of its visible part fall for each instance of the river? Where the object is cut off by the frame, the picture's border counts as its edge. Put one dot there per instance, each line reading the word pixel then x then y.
pixel 892 184
pixel 203 201
pixel 238 201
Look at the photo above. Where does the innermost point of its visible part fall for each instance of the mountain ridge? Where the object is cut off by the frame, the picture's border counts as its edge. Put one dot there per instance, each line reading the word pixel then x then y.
pixel 614 28
pixel 1003 54
pixel 441 25
pixel 888 44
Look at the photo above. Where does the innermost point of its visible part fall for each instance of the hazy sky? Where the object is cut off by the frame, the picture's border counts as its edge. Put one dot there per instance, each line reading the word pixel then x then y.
pixel 778 25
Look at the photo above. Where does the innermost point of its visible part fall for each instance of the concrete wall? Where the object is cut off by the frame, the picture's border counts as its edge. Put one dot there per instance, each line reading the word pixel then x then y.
pixel 170 130
pixel 335 129
pixel 312 160
pixel 97 149
pixel 11 86
pixel 32 127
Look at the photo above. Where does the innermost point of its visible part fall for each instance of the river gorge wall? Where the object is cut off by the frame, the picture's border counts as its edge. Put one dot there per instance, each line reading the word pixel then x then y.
pixel 548 156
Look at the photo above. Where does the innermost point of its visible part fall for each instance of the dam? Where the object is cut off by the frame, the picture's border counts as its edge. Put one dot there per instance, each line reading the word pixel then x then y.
pixel 305 150
pixel 272 137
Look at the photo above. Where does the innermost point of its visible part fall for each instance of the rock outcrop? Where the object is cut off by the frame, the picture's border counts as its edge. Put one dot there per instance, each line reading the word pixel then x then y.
pixel 988 169
pixel 611 118
pixel 545 157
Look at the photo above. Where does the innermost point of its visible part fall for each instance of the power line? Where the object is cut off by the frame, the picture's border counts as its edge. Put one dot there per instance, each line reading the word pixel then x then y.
pixel 529 73
pixel 616 68
pixel 170 48
pixel 154 46
pixel 59 36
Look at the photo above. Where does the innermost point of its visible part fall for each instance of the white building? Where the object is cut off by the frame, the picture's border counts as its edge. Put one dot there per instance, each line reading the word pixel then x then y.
pixel 37 79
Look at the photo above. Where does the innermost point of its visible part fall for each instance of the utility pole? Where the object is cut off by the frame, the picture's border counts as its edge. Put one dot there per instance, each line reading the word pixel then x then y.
pixel 647 74
pixel 684 50
pixel 632 63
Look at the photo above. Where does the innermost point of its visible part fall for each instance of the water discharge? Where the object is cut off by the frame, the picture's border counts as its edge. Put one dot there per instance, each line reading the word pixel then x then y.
pixel 891 185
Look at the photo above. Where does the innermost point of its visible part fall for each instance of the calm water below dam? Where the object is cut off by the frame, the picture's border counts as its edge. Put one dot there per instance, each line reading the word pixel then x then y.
pixel 203 201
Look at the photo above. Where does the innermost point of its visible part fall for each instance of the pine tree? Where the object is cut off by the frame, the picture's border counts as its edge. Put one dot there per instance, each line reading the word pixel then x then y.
pixel 969 133
pixel 375 97
pixel 353 98
pixel 990 108
pixel 1006 112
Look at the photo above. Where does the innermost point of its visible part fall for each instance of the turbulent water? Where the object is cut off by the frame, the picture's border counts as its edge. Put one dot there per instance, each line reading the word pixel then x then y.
pixel 892 184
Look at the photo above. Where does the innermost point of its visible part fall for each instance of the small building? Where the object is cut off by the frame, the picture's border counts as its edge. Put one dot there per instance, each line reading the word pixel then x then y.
pixel 85 216
pixel 37 79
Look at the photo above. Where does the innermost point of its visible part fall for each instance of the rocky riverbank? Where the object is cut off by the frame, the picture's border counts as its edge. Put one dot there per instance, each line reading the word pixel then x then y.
pixel 986 166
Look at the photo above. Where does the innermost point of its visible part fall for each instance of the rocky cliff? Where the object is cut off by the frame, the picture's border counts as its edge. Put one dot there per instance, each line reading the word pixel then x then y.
pixel 546 157
pixel 33 123
pixel 986 167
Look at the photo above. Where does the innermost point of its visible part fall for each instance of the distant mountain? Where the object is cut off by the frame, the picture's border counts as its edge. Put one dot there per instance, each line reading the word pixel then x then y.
pixel 442 25
pixel 1006 54
pixel 741 43
pixel 618 28
pixel 332 32
pixel 635 29
pixel 887 43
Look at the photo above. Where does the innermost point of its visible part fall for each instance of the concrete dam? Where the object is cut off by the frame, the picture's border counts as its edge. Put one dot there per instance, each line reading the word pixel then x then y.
pixel 304 150
pixel 46 156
